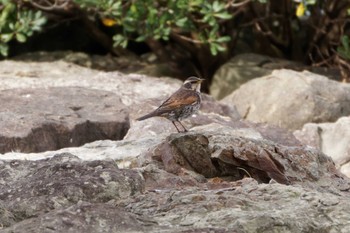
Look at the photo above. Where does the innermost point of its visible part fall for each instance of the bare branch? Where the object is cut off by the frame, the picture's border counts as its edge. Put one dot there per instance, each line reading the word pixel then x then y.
pixel 239 4
pixel 49 6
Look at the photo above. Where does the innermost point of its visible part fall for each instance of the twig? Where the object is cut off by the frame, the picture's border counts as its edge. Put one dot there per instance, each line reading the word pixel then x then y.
pixel 50 7
pixel 232 4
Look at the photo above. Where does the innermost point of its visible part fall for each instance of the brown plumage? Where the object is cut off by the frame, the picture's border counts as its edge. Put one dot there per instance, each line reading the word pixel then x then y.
pixel 180 105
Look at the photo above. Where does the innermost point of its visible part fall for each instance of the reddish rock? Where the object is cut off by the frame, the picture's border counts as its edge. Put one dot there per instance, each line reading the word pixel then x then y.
pixel 221 154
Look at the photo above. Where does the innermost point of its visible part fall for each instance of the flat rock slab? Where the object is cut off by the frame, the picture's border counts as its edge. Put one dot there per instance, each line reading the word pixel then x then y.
pixel 41 119
pixel 132 88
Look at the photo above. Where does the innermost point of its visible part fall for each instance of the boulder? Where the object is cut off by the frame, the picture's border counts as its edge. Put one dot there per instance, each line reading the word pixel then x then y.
pixel 41 119
pixel 332 139
pixel 242 207
pixel 31 188
pixel 84 217
pixel 132 88
pixel 290 99
pixel 185 183
pixel 242 68
pixel 223 154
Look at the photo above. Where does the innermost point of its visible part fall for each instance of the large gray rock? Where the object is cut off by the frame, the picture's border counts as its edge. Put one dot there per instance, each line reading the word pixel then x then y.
pixel 242 207
pixel 139 93
pixel 242 68
pixel 29 188
pixel 84 217
pixel 188 182
pixel 289 99
pixel 41 119
pixel 132 88
pixel 332 139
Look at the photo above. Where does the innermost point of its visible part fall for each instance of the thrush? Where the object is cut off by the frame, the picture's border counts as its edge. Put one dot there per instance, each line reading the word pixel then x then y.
pixel 180 105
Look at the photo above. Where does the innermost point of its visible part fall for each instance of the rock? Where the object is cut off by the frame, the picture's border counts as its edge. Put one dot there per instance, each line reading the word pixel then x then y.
pixel 289 99
pixel 244 206
pixel 84 217
pixel 132 88
pixel 225 175
pixel 31 188
pixel 213 154
pixel 123 152
pixel 332 139
pixel 41 119
pixel 241 69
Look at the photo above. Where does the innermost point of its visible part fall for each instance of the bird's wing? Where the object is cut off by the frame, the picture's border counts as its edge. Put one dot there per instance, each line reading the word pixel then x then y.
pixel 179 99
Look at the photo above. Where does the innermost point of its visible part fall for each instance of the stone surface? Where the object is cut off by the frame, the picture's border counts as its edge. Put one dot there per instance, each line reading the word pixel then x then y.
pixel 84 217
pixel 223 154
pixel 132 88
pixel 225 175
pixel 171 189
pixel 290 99
pixel 242 68
pixel 41 119
pixel 243 207
pixel 332 139
pixel 30 188
pixel 121 152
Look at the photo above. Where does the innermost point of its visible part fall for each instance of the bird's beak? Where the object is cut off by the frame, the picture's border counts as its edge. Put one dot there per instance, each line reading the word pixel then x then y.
pixel 201 80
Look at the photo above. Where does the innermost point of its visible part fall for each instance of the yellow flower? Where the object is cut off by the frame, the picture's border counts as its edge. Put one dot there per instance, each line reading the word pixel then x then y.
pixel 300 10
pixel 109 22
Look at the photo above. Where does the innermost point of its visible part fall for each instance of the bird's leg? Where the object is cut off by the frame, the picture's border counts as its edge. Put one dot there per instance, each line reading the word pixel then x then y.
pixel 176 127
pixel 183 126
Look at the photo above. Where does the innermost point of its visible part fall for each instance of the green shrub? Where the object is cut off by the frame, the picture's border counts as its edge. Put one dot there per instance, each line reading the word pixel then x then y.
pixel 202 33
pixel 197 20
pixel 17 24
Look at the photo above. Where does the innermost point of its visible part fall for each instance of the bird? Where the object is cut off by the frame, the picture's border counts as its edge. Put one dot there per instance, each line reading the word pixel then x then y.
pixel 182 104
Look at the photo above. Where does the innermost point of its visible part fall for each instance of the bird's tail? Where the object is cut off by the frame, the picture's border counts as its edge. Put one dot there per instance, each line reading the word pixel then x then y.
pixel 149 115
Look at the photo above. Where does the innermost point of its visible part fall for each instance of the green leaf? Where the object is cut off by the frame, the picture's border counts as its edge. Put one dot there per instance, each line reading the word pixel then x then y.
pixel 4 48
pixel 345 43
pixel 140 38
pixel 220 48
pixel 310 2
pixel 181 22
pixel 217 6
pixel 223 15
pixel 21 38
pixel 213 49
pixel 120 40
pixel 223 39
pixel 344 49
pixel 6 37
